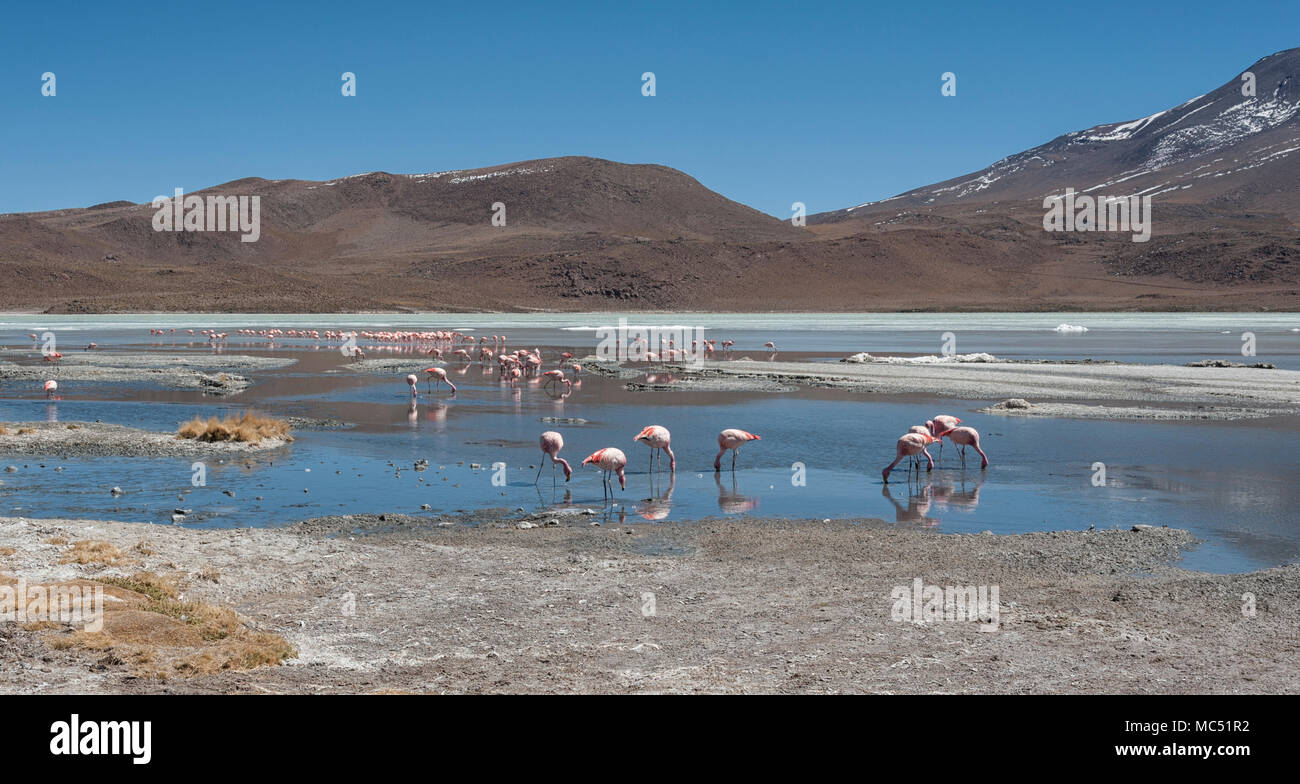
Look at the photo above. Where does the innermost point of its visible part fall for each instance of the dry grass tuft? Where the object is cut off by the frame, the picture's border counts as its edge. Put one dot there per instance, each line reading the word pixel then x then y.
pixel 22 431
pixel 57 540
pixel 90 551
pixel 249 427
pixel 4 431
pixel 144 548
pixel 7 551
pixel 165 636
pixel 208 572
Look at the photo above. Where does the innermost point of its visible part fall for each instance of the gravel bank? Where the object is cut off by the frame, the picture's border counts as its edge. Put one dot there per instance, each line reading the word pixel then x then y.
pixel 1214 393
pixel 84 439
pixel 435 605
pixel 211 373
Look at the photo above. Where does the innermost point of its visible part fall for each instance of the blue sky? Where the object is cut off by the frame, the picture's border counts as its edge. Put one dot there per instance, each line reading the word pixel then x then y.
pixel 831 104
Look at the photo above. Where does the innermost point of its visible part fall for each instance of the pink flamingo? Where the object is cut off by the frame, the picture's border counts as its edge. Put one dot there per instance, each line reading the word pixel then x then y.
pixel 732 439
pixel 51 388
pixel 658 438
pixel 551 443
pixel 964 437
pixel 939 424
pixel 910 445
pixel 411 381
pixel 609 460
pixel 556 377
pixel 439 375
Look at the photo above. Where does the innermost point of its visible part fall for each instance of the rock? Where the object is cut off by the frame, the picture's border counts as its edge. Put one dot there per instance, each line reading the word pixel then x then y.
pixel 425 507
pixel 182 511
pixel 1141 527
pixel 1015 402
pixel 11 469
pixel 475 466
pixel 421 464
pixel 177 519
pixel 117 491
pixel 861 356
pixel 525 524
pixel 230 493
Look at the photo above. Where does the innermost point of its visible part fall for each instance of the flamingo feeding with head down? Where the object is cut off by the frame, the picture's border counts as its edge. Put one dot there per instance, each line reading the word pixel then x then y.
pixel 551 443
pixel 411 381
pixel 964 437
pixel 556 377
pixel 658 438
pixel 609 460
pixel 51 388
pixel 909 445
pixel 439 375
pixel 732 439
pixel 940 423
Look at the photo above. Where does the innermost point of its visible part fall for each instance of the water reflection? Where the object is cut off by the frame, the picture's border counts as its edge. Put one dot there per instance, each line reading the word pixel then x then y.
pixel 658 506
pixel 918 505
pixel 962 494
pixel 731 501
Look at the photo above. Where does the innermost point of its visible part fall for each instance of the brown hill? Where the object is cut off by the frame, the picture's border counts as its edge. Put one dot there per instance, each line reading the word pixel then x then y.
pixel 589 234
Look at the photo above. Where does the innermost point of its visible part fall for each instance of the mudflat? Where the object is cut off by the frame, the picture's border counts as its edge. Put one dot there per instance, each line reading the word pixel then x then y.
pixel 553 603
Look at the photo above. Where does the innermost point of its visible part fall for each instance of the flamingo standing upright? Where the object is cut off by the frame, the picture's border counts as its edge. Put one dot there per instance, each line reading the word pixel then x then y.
pixel 911 444
pixel 964 437
pixel 658 438
pixel 551 443
pixel 439 375
pixel 732 439
pixel 609 460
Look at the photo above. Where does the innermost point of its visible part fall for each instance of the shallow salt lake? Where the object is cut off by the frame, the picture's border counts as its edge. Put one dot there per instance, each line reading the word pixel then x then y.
pixel 1232 484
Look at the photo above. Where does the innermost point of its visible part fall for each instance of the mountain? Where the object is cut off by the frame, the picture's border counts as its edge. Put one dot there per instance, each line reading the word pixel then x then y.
pixel 590 234
pixel 1221 149
pixel 1221 170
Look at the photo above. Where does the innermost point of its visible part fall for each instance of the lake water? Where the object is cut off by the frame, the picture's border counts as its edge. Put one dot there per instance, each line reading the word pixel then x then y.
pixel 1232 484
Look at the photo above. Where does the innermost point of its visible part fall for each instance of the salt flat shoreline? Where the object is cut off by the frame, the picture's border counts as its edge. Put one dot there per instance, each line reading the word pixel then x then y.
pixel 761 605
pixel 1054 389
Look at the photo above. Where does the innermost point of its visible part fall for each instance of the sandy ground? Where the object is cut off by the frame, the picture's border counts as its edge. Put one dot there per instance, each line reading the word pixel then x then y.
pixel 1202 392
pixel 556 604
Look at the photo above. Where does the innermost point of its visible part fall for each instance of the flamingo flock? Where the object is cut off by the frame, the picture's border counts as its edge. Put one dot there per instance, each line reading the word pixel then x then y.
pixel 518 364
pixel 914 443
